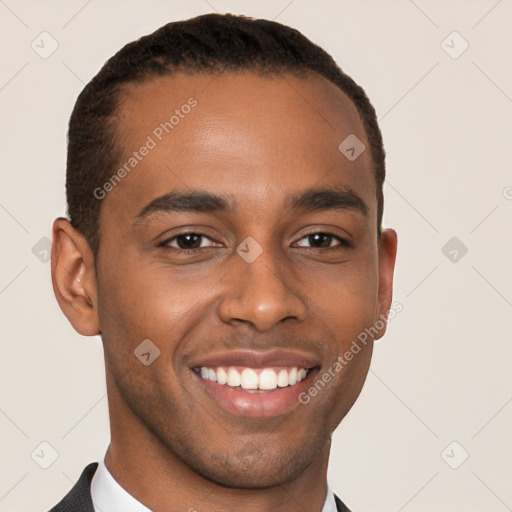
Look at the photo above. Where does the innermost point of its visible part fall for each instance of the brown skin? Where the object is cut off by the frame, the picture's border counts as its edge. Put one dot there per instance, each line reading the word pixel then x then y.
pixel 254 140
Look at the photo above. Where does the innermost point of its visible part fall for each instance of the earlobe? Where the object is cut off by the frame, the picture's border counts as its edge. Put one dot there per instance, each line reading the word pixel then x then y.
pixel 74 278
pixel 387 258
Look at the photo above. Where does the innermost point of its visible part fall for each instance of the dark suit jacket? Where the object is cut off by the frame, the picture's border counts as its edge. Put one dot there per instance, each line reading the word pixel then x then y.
pixel 79 498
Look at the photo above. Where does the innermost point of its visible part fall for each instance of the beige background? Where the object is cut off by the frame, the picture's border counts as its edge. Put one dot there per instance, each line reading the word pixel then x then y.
pixel 441 374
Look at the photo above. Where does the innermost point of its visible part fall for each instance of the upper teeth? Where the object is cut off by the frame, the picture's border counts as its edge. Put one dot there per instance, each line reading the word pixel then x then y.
pixel 249 378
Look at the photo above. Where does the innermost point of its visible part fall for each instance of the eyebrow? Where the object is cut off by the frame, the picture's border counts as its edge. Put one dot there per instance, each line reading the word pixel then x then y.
pixel 314 199
pixel 329 199
pixel 193 201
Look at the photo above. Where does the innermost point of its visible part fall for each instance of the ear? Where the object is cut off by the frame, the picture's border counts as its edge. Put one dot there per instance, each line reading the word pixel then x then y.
pixel 387 257
pixel 74 278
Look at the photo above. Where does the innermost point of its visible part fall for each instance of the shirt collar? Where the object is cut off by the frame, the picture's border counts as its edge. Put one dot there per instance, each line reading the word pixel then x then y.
pixel 109 496
pixel 330 502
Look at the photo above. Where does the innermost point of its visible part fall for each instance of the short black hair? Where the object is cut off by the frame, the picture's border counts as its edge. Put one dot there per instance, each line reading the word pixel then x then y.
pixel 209 43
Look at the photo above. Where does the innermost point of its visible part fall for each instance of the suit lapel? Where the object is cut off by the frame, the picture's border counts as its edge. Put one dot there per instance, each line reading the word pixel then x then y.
pixel 79 498
pixel 340 506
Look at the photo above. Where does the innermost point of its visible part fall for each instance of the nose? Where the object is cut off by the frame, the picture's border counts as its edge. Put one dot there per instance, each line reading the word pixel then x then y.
pixel 261 294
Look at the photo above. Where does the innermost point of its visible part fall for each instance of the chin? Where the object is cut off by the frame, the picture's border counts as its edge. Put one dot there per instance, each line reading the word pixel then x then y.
pixel 252 467
pixel 247 477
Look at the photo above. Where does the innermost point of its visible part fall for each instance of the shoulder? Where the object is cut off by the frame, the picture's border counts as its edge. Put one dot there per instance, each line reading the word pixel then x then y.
pixel 79 497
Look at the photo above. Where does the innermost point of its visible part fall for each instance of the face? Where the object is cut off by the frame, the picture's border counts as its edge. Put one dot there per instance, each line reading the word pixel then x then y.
pixel 243 244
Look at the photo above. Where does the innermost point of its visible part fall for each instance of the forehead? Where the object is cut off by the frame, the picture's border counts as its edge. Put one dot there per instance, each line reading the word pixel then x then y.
pixel 238 134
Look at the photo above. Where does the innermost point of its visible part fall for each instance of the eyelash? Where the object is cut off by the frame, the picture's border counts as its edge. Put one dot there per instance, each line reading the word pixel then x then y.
pixel 343 242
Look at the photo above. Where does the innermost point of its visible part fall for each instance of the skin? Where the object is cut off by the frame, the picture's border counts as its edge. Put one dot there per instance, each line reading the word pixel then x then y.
pixel 254 140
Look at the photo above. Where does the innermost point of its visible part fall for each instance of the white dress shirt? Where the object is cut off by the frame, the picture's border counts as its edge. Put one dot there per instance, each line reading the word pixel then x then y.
pixel 109 496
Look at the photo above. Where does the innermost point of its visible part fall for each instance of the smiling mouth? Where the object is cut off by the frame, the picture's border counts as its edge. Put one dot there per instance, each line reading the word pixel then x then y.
pixel 254 380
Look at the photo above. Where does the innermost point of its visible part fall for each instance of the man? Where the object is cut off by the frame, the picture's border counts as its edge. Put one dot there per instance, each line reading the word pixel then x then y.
pixel 224 187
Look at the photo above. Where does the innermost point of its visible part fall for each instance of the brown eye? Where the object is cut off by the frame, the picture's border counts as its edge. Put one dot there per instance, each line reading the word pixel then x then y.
pixel 187 241
pixel 322 240
pixel 191 241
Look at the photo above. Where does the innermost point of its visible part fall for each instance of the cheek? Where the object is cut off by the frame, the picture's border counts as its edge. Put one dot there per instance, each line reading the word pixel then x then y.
pixel 149 302
pixel 347 302
pixel 145 299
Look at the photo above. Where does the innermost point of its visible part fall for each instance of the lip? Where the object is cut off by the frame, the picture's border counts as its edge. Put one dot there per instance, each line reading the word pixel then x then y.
pixel 253 359
pixel 255 404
